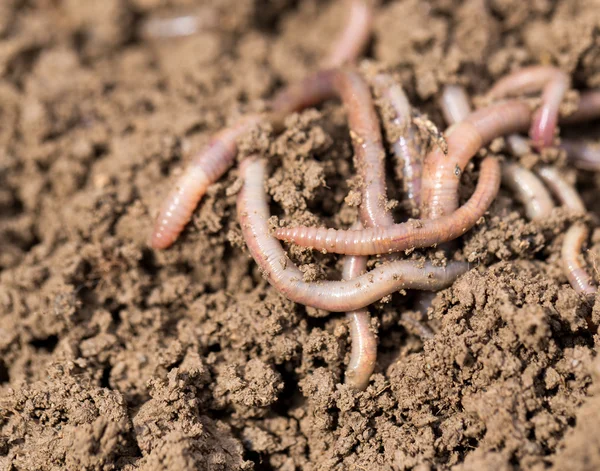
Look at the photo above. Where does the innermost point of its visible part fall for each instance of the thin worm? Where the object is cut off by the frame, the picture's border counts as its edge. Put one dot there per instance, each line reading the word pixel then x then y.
pixel 204 169
pixel 588 108
pixel 529 190
pixel 575 236
pixel 354 37
pixel 553 82
pixel 408 235
pixel 563 190
pixel 406 148
pixel 454 103
pixel 441 172
pixel 578 277
pixel 334 296
pixel 584 155
pixel 369 153
pixel 364 342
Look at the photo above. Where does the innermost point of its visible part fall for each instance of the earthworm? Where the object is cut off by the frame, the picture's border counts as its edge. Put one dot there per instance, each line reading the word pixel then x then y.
pixel 454 103
pixel 563 190
pixel 369 153
pixel 553 82
pixel 575 236
pixel 578 277
pixel 584 155
pixel 518 145
pixel 408 235
pixel 364 341
pixel 441 172
pixel 354 37
pixel 529 190
pixel 205 168
pixel 527 187
pixel 406 148
pixel 588 108
pixel 335 296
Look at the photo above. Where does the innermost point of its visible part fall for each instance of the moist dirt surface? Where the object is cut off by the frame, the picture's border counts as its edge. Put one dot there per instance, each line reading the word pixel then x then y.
pixel 117 356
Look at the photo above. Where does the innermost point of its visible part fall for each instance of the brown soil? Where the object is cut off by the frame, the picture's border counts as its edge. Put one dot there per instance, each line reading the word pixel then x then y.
pixel 115 356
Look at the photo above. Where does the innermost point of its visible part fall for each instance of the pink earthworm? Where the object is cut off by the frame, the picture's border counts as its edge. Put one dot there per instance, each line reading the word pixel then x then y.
pixel 369 153
pixel 575 236
pixel 213 161
pixel 576 273
pixel 588 108
pixel 554 84
pixel 335 296
pixel 205 168
pixel 527 187
pixel 563 190
pixel 404 143
pixel 364 341
pixel 454 103
pixel 408 235
pixel 441 172
pixel 354 37
pixel 584 155
pixel 529 190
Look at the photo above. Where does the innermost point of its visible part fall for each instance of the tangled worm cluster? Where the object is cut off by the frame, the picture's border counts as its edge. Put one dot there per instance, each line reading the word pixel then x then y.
pixel 430 184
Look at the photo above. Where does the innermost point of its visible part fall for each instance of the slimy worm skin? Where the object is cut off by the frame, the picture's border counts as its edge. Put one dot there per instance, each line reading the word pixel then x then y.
pixel 364 341
pixel 205 168
pixel 584 155
pixel 576 273
pixel 408 235
pixel 588 108
pixel 554 84
pixel 529 191
pixel 355 36
pixel 406 148
pixel 575 236
pixel 441 172
pixel 334 296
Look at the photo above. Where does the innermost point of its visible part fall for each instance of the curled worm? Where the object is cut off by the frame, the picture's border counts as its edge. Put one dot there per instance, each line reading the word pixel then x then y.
pixel 408 235
pixel 335 296
pixel 554 84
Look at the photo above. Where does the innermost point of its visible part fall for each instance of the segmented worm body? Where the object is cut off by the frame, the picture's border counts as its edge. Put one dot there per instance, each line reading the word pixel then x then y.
pixel 554 84
pixel 205 168
pixel 406 148
pixel 576 273
pixel 354 38
pixel 588 108
pixel 441 172
pixel 335 296
pixel 529 190
pixel 584 155
pixel 408 235
pixel 364 342
pixel 575 236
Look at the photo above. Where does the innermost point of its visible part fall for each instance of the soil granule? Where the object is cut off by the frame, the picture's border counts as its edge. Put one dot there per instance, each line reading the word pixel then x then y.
pixel 116 356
